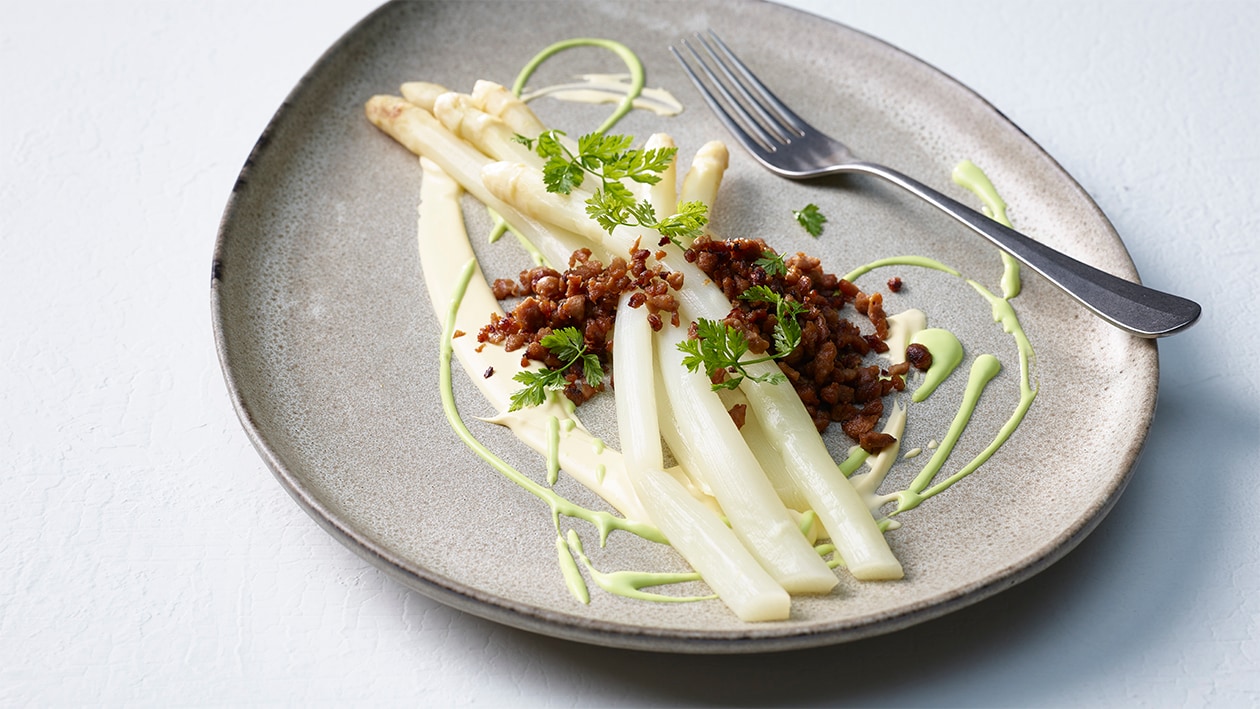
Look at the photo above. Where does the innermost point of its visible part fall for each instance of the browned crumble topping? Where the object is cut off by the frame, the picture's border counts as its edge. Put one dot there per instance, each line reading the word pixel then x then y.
pixel 919 356
pixel 827 369
pixel 584 297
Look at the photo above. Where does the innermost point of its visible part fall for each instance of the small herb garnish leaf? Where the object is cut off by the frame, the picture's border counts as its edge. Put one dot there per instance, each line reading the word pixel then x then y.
pixel 559 175
pixel 717 347
pixel 811 219
pixel 772 264
pixel 537 384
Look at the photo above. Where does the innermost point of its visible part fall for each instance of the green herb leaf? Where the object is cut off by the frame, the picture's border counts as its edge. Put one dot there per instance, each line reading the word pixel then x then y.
pixel 592 370
pixel 645 166
pixel 772 264
pixel 687 223
pixel 719 346
pixel 609 207
pixel 811 219
pixel 567 345
pixel 562 176
pixel 537 384
pixel 549 145
pixel 787 331
pixel 611 159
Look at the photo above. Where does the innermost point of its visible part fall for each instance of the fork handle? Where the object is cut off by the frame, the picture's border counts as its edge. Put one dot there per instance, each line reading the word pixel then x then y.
pixel 1142 311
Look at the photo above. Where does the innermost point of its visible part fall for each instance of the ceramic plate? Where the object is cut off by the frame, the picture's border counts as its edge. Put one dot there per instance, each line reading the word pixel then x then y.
pixel 330 344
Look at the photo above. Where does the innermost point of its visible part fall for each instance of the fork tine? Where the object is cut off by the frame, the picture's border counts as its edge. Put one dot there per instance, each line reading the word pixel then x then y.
pixel 783 131
pixel 763 143
pixel 763 123
pixel 786 116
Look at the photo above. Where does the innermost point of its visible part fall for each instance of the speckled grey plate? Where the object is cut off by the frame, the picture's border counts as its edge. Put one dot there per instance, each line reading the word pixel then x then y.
pixel 329 343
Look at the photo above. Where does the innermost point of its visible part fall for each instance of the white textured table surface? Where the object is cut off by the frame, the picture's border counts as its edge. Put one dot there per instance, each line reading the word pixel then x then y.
pixel 147 556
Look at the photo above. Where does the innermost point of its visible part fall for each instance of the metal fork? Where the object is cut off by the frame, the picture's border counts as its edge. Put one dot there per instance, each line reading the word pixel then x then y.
pixel 788 146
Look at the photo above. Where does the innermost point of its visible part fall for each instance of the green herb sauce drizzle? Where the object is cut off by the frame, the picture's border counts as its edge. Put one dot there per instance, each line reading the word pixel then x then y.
pixel 638 77
pixel 967 175
pixel 983 370
pixel 947 353
pixel 572 574
pixel 630 583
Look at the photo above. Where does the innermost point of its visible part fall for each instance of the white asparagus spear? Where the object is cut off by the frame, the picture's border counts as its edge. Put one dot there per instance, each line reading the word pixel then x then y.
pixel 497 100
pixel 423 93
pixel 490 134
pixel 663 196
pixel 699 535
pixel 701 182
pixel 833 498
pixel 760 443
pixel 495 139
pixel 837 504
pixel 421 133
pixel 754 511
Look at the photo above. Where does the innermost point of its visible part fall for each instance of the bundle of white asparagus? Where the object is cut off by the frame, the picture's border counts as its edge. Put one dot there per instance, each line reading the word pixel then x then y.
pixel 759 554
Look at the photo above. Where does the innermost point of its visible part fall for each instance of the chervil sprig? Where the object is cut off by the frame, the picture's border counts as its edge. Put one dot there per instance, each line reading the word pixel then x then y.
pixel 610 159
pixel 719 346
pixel 787 331
pixel 567 345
